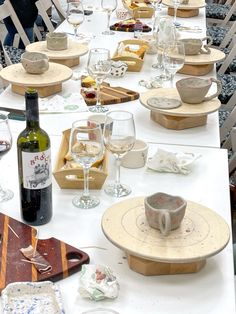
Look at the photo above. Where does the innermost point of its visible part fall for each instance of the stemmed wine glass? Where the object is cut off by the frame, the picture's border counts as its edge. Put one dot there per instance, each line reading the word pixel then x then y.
pixel 86 147
pixel 5 146
pixel 173 58
pixel 99 66
pixel 109 6
pixel 75 15
pixel 176 4
pixel 119 138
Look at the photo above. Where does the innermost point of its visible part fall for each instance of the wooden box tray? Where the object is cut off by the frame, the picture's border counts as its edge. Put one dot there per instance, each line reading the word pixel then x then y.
pixel 134 64
pixel 138 9
pixel 64 258
pixel 73 178
pixel 111 95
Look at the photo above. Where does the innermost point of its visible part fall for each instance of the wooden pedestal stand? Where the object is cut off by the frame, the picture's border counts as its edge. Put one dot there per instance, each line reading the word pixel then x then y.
pixel 48 83
pixel 68 62
pixel 177 122
pixel 43 91
pixel 196 70
pixel 183 13
pixel 202 233
pixel 69 57
pixel 184 117
pixel 152 268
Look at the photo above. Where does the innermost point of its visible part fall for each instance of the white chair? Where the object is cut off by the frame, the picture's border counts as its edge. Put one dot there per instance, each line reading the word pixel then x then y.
pixel 225 13
pixel 6 10
pixel 44 6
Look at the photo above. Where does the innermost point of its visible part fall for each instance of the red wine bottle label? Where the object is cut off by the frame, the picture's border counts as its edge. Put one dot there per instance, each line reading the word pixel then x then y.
pixel 36 170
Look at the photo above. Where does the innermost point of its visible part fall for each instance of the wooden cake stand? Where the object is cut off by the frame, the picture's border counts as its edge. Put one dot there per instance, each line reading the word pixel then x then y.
pixel 48 83
pixel 188 10
pixel 201 64
pixel 203 233
pixel 69 57
pixel 184 117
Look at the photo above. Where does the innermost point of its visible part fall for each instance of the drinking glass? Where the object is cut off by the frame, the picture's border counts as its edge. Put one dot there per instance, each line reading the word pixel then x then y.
pixel 75 15
pixel 173 58
pixel 86 147
pixel 5 146
pixel 119 138
pixel 176 4
pixel 109 6
pixel 99 66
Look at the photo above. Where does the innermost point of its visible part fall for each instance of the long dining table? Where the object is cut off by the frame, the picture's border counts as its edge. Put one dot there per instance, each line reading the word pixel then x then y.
pixel 210 290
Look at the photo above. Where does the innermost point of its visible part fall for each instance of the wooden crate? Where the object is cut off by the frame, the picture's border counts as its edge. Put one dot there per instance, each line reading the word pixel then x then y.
pixel 134 64
pixel 73 178
pixel 138 10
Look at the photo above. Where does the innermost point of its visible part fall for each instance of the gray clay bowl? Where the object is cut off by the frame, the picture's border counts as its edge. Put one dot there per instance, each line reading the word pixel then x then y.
pixel 34 62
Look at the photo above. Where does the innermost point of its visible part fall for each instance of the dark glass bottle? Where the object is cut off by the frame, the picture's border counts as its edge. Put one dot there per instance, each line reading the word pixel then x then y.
pixel 34 166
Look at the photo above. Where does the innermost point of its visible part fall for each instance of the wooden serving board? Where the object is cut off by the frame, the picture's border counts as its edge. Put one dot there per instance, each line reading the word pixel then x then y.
pixel 64 259
pixel 112 95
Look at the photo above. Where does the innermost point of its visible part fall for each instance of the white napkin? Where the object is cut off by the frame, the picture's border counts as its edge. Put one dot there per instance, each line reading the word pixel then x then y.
pixel 72 102
pixel 164 161
pixel 98 282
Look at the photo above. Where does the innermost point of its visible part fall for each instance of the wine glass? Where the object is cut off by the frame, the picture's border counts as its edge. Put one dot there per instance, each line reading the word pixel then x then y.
pixel 176 4
pixel 5 146
pixel 173 58
pixel 99 66
pixel 119 138
pixel 86 147
pixel 75 15
pixel 109 6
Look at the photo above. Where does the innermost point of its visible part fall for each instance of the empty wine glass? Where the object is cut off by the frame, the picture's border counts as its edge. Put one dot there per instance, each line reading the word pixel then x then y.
pixel 119 138
pixel 173 58
pixel 109 6
pixel 99 66
pixel 75 16
pixel 176 4
pixel 5 146
pixel 86 147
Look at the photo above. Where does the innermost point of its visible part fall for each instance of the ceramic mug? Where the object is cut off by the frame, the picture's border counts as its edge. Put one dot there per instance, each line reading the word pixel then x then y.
pixel 57 41
pixel 137 156
pixel 100 119
pixel 193 90
pixel 164 212
pixel 34 62
pixel 194 46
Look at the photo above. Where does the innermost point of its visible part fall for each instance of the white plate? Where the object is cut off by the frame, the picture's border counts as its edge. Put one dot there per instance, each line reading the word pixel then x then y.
pixel 32 297
pixel 163 103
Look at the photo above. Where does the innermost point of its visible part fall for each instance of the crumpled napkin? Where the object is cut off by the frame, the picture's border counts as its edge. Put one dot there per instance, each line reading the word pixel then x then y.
pixel 98 282
pixel 164 161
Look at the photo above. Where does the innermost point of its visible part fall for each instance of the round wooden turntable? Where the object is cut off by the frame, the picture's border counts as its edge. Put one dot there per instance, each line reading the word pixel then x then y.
pixel 48 83
pixel 185 10
pixel 69 57
pixel 201 64
pixel 202 234
pixel 183 117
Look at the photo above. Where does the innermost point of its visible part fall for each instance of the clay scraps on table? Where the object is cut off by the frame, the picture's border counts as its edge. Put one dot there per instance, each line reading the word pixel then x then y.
pixel 41 264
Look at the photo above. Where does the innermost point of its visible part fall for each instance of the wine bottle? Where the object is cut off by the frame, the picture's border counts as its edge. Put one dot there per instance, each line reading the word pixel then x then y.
pixel 34 166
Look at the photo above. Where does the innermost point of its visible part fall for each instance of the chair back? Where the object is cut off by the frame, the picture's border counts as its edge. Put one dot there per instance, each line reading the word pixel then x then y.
pixel 6 10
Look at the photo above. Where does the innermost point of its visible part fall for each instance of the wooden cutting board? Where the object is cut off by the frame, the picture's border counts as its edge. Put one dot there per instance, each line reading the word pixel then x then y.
pixel 64 259
pixel 112 95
